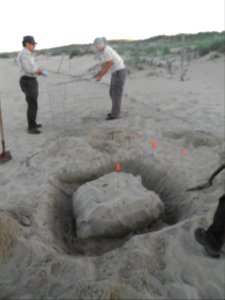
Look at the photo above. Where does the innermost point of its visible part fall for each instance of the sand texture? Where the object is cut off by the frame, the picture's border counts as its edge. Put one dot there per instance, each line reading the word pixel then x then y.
pixel 41 256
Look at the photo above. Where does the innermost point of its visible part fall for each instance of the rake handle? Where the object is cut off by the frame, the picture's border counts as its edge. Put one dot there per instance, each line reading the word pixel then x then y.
pixel 2 129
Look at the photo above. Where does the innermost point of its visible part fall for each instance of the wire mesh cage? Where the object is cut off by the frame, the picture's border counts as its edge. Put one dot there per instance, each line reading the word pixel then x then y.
pixel 75 101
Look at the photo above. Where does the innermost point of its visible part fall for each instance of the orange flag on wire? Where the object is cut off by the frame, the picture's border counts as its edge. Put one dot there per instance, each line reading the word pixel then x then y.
pixel 183 151
pixel 118 167
pixel 154 144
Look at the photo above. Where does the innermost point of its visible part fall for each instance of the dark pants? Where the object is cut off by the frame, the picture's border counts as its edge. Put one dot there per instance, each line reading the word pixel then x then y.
pixel 116 91
pixel 216 232
pixel 29 86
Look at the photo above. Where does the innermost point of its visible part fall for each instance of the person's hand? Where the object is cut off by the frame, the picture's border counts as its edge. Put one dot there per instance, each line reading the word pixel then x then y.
pixel 98 78
pixel 95 76
pixel 39 71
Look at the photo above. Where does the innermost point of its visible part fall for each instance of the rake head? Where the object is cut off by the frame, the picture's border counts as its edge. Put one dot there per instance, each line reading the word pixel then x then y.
pixel 5 156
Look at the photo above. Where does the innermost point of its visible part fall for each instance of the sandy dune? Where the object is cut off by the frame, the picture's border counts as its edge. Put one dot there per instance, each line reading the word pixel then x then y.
pixel 40 256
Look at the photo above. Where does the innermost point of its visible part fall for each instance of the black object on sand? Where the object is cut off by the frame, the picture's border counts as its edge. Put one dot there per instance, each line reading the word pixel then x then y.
pixel 209 182
pixel 5 155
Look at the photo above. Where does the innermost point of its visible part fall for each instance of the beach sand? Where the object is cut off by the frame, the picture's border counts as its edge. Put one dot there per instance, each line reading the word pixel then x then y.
pixel 40 257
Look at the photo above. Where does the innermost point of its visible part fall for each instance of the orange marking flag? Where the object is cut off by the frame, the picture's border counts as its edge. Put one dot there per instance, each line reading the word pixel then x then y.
pixel 183 151
pixel 154 144
pixel 118 167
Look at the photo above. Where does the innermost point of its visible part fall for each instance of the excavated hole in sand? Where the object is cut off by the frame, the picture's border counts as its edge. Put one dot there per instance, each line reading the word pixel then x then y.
pixel 155 177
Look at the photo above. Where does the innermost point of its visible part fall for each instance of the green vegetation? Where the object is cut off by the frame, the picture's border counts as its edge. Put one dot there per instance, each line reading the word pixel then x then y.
pixel 139 52
pixel 8 55
pixel 71 50
pixel 204 42
pixel 4 55
pixel 205 47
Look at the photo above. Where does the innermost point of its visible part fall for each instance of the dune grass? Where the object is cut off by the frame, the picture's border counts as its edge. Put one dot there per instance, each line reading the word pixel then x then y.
pixel 204 42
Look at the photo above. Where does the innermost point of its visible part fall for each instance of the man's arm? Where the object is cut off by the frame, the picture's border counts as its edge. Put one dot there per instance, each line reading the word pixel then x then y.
pixel 104 70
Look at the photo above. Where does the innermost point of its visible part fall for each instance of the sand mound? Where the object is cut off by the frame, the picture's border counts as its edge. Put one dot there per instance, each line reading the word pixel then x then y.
pixel 8 232
pixel 114 205
pixel 109 140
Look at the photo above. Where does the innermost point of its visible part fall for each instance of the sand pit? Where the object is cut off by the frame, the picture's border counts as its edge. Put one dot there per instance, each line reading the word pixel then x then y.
pixel 156 176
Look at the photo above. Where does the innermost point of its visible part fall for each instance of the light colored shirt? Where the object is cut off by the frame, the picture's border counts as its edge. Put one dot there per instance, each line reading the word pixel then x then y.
pixel 109 54
pixel 27 64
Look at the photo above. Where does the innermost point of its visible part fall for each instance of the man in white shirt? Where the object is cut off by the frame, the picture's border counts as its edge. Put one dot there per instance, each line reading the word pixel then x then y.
pixel 28 81
pixel 115 63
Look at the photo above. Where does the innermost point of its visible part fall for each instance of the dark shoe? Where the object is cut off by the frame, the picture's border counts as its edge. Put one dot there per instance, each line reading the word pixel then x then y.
pixel 109 115
pixel 38 125
pixel 34 131
pixel 200 236
pixel 110 118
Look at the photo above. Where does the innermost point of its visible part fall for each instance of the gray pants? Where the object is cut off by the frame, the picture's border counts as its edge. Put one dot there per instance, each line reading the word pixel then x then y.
pixel 116 91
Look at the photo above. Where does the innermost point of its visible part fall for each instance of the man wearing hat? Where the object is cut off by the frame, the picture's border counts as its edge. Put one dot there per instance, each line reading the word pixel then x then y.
pixel 113 62
pixel 28 81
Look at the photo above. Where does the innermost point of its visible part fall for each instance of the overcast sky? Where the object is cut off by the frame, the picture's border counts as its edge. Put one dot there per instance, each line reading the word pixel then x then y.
pixel 62 22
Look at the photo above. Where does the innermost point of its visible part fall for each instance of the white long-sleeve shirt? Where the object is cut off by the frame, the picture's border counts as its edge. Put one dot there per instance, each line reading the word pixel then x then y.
pixel 27 64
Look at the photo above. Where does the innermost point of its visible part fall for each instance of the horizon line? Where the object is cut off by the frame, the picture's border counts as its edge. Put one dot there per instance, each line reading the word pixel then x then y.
pixel 121 40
